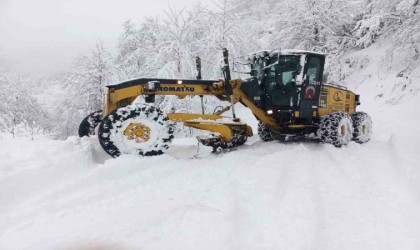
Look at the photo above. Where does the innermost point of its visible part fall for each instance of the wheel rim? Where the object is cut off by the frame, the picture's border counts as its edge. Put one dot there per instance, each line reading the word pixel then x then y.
pixel 137 132
pixel 343 130
pixel 365 129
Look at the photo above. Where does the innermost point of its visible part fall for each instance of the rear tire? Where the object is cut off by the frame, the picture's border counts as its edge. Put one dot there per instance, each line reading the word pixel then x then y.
pixel 264 132
pixel 88 125
pixel 362 127
pixel 336 128
pixel 136 129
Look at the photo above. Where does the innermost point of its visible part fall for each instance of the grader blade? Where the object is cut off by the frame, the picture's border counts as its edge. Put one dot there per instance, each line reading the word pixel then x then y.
pixel 225 134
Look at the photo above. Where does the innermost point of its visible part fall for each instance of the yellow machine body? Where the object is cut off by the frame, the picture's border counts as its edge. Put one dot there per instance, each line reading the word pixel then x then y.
pixel 333 99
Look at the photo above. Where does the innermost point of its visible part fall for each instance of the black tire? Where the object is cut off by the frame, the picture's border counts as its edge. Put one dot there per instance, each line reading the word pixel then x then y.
pixel 88 125
pixel 336 128
pixel 264 132
pixel 362 127
pixel 155 128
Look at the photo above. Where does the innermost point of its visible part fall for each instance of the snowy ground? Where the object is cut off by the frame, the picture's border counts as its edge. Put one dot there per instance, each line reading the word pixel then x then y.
pixel 298 195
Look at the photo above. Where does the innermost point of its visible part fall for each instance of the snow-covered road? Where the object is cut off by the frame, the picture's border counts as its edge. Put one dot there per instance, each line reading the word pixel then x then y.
pixel 296 195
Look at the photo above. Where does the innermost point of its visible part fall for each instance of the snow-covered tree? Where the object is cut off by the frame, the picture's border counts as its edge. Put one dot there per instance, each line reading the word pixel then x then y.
pixel 381 18
pixel 81 90
pixel 137 47
pixel 89 76
pixel 320 25
pixel 175 50
pixel 19 106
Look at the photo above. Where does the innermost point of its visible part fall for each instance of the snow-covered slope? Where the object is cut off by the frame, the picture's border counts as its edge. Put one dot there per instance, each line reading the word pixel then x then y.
pixel 297 195
pixel 384 73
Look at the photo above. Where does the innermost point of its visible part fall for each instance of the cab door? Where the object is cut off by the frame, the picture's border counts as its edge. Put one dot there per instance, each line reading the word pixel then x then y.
pixel 311 86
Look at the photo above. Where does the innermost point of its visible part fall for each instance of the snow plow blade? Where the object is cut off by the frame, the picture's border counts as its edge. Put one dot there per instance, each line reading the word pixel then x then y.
pixel 226 133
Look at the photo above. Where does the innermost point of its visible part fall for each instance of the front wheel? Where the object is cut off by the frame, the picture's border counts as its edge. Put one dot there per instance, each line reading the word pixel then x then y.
pixel 136 129
pixel 88 125
pixel 336 128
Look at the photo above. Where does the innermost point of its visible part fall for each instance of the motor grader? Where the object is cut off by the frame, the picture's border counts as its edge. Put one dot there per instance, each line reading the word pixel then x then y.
pixel 286 93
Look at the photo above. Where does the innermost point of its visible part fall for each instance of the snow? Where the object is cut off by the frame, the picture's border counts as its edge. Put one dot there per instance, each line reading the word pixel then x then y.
pixel 295 51
pixel 296 195
pixel 263 53
pixel 224 120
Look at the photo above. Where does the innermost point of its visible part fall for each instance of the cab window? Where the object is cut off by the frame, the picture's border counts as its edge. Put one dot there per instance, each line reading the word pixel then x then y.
pixel 314 69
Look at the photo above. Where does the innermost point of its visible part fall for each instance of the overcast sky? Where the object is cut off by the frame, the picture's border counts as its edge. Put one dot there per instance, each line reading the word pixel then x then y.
pixel 46 35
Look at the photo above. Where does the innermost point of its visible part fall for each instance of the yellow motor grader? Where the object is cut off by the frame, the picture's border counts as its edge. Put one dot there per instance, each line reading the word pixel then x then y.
pixel 285 92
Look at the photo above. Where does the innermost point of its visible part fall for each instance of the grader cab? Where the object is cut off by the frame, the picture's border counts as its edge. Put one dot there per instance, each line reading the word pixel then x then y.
pixel 285 92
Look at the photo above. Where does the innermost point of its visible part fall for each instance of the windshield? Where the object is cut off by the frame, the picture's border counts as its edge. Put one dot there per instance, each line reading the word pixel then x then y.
pixel 280 77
